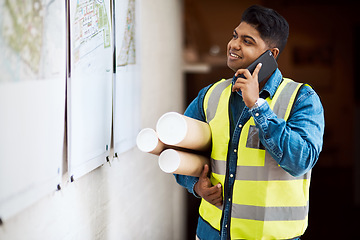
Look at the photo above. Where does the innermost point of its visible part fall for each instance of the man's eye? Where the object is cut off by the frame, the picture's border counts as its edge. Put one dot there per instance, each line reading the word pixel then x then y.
pixel 247 41
pixel 234 36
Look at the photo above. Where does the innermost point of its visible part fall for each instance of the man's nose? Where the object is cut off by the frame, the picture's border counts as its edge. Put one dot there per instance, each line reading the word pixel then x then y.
pixel 235 44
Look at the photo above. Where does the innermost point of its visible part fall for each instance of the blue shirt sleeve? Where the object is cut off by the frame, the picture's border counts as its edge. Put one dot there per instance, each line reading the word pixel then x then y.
pixel 194 110
pixel 295 144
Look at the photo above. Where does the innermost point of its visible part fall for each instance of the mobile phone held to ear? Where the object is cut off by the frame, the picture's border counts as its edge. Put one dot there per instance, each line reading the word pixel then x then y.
pixel 269 65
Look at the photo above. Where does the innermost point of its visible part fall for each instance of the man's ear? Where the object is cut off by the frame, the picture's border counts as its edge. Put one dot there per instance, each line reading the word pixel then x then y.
pixel 275 52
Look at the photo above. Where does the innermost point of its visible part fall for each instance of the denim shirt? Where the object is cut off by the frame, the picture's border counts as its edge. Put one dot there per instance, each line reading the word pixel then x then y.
pixel 294 144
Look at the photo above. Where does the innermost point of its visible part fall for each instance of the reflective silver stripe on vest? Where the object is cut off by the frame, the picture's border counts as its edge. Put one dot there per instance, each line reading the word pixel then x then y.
pixel 269 213
pixel 269 172
pixel 214 99
pixel 284 97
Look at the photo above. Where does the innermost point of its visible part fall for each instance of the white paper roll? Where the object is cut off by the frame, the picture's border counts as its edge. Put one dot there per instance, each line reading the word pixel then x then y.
pixel 178 130
pixel 184 163
pixel 147 141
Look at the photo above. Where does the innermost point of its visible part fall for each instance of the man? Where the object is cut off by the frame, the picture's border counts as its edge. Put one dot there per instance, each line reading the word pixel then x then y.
pixel 265 142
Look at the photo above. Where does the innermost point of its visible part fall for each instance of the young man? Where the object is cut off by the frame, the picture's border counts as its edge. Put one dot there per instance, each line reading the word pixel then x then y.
pixel 265 142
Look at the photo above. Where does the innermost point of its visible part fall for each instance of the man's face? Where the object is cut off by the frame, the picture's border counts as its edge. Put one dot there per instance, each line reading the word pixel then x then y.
pixel 245 46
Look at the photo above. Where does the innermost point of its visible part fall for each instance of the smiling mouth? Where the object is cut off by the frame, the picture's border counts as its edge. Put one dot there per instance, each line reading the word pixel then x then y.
pixel 234 55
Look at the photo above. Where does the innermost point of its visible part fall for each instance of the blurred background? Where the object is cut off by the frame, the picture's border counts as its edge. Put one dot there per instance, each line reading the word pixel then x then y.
pixel 323 50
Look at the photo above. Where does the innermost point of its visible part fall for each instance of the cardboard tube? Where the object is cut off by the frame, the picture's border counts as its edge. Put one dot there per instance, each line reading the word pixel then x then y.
pixel 178 130
pixel 147 141
pixel 184 163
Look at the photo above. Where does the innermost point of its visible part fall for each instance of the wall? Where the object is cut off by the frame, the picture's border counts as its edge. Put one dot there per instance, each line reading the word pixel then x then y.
pixel 130 198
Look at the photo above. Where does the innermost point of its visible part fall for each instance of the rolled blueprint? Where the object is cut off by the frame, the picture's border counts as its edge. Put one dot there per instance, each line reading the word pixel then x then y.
pixel 184 163
pixel 147 141
pixel 178 130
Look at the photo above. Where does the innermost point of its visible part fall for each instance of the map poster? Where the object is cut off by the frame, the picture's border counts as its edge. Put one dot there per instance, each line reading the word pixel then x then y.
pixel 89 85
pixel 127 76
pixel 32 101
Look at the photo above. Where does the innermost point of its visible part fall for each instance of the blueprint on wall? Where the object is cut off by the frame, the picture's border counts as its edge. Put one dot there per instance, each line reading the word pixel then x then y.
pixel 32 100
pixel 90 85
pixel 127 78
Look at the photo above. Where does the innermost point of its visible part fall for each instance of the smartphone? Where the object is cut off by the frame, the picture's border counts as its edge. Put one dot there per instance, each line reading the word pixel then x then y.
pixel 269 65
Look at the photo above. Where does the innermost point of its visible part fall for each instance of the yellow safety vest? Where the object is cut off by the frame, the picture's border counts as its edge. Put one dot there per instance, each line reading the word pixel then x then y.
pixel 267 202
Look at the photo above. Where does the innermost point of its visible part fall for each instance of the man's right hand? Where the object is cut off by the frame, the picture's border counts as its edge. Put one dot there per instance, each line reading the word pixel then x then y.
pixel 204 188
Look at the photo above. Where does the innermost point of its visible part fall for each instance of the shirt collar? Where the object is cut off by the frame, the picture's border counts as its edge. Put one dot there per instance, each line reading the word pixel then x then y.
pixel 271 85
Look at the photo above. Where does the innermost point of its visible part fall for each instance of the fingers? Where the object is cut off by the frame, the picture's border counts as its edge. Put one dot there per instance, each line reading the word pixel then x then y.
pixel 204 188
pixel 204 184
pixel 244 72
pixel 205 171
pixel 218 201
pixel 213 190
pixel 240 81
pixel 247 79
pixel 246 75
pixel 214 195
pixel 237 85
pixel 257 69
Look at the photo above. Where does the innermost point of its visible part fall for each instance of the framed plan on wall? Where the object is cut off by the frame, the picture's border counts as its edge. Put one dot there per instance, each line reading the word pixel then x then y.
pixel 32 101
pixel 126 101
pixel 89 85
